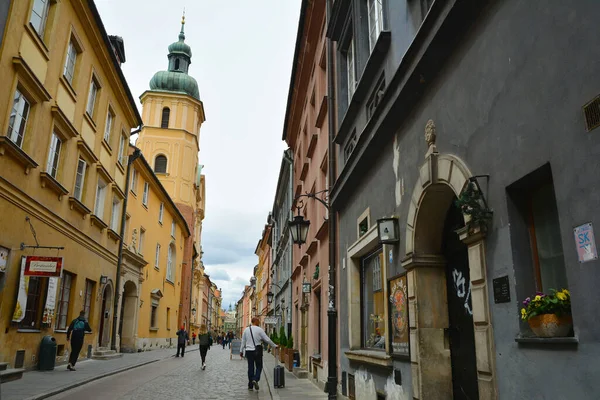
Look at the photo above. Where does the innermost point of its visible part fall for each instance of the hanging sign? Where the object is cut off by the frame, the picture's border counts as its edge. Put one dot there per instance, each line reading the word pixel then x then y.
pixel 43 266
pixel 585 242
pixel 271 320
pixel 21 305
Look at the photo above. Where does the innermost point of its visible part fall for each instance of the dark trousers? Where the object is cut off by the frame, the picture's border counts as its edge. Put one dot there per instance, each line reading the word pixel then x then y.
pixel 255 365
pixel 224 342
pixel 182 347
pixel 76 345
pixel 203 350
pixel 193 340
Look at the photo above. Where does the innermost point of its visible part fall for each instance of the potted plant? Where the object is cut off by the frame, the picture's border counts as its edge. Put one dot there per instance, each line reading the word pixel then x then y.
pixel 471 203
pixel 282 344
pixel 289 357
pixel 549 315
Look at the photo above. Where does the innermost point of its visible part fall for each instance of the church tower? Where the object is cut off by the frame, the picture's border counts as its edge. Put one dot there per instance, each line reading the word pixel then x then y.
pixel 173 113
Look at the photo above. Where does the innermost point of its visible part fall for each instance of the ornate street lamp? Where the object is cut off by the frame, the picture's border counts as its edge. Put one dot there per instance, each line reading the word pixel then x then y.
pixel 299 229
pixel 194 311
pixel 270 296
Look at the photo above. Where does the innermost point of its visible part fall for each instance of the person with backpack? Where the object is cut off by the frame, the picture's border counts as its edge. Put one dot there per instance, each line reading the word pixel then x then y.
pixel 76 334
pixel 205 341
pixel 182 339
pixel 252 339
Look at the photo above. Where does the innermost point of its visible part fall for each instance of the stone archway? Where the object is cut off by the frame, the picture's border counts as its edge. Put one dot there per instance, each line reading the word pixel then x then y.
pixel 128 320
pixel 441 179
pixel 105 316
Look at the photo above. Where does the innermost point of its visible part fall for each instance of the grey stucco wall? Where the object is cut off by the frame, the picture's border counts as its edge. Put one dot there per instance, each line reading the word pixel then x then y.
pixel 507 102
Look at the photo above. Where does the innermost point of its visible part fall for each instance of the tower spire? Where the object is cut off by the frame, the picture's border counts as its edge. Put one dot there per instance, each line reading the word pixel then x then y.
pixel 182 33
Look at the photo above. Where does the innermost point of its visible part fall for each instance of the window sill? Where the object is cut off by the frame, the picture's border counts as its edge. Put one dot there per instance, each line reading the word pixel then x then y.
pixel 32 83
pixel 67 130
pixel 157 269
pixel 29 331
pixel 571 340
pixel 60 331
pixel 121 167
pixel 134 194
pixel 68 87
pixel 98 222
pixel 145 206
pixel 114 235
pixel 51 183
pixel 78 206
pixel 153 329
pixel 106 146
pixel 86 151
pixel 90 121
pixel 8 146
pixel 371 357
pixel 38 41
pixel 169 282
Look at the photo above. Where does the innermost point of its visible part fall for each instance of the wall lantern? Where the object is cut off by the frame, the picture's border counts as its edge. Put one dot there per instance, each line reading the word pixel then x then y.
pixel 388 230
pixel 194 311
pixel 270 296
pixel 306 287
pixel 299 229
pixel 103 279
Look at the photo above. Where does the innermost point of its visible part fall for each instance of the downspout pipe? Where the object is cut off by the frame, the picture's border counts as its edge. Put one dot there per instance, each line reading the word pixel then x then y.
pixel 332 311
pixel 130 160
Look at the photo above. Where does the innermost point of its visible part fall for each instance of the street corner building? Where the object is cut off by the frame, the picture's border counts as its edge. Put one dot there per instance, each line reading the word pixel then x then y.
pixel 472 128
pixel 65 121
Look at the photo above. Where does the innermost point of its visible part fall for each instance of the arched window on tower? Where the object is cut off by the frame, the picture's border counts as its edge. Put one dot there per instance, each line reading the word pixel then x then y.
pixel 160 164
pixel 164 123
pixel 177 64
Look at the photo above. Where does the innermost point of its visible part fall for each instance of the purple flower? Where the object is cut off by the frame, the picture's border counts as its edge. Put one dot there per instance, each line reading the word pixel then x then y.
pixel 540 294
pixel 527 301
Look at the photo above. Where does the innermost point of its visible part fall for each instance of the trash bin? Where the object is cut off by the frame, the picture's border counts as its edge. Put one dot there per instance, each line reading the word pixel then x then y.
pixel 47 356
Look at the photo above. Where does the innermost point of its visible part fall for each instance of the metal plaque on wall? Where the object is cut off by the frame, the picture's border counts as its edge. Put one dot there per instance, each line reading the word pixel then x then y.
pixel 501 290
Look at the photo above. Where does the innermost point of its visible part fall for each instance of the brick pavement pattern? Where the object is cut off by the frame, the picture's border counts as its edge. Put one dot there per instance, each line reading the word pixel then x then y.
pixel 294 388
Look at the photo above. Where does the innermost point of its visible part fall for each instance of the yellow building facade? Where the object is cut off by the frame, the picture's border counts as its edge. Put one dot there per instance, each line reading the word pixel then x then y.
pixel 66 114
pixel 156 233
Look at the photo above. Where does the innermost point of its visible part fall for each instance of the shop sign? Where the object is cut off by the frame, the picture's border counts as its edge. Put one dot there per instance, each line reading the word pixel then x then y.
pixel 3 258
pixel 398 306
pixel 585 242
pixel 43 266
pixel 271 320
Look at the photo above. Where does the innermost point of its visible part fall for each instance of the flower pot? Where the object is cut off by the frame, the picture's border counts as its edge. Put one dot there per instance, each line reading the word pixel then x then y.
pixel 289 359
pixel 551 325
pixel 282 354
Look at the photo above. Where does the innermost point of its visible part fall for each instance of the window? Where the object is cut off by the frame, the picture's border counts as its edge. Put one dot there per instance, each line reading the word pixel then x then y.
pixel 18 118
pixel 168 318
pixel 142 237
pixel 173 229
pixel 66 281
pixel 100 196
pixel 69 70
pixel 145 196
pixel 161 212
pixel 375 21
pixel 177 64
pixel 166 112
pixel 33 314
pixel 39 16
pixel 116 214
pixel 351 70
pixel 91 103
pixel 160 164
pixel 80 179
pixel 363 227
pixel 108 127
pixel 53 155
pixel 157 257
pixel 122 159
pixel 372 302
pixel 375 97
pixel 153 315
pixel 170 255
pixel 134 181
pixel 87 300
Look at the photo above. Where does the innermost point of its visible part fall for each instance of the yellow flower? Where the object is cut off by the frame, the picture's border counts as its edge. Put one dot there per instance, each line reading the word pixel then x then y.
pixel 537 298
pixel 565 291
pixel 561 296
pixel 523 313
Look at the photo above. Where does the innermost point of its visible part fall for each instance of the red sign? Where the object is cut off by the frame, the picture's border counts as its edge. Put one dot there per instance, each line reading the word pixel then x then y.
pixel 43 266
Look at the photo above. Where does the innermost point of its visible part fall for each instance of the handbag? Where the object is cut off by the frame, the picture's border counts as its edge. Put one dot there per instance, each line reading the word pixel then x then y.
pixel 259 348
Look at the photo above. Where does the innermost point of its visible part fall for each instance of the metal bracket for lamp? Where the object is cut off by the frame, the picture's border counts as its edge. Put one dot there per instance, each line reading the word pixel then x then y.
pixel 299 226
pixel 24 246
pixel 473 179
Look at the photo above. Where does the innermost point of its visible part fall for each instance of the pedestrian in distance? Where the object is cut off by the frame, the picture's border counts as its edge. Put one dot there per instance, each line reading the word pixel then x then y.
pixel 251 345
pixel 194 337
pixel 76 334
pixel 182 338
pixel 224 341
pixel 205 341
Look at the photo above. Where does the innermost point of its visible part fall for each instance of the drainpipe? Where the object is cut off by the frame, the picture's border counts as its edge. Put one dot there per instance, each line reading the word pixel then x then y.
pixel 130 160
pixel 332 311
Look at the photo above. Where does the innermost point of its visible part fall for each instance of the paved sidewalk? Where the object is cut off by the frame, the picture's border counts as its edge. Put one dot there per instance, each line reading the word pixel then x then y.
pixel 294 388
pixel 42 384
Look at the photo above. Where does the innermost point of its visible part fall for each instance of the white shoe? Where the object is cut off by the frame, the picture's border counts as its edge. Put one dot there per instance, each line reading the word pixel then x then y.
pixel 203 366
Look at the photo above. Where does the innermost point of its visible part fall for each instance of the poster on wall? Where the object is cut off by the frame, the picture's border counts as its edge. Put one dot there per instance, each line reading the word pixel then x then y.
pixel 21 305
pixel 585 242
pixel 398 306
pixel 48 315
pixel 3 258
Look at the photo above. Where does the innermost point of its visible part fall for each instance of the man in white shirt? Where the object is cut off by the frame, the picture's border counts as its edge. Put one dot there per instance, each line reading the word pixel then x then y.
pixel 252 339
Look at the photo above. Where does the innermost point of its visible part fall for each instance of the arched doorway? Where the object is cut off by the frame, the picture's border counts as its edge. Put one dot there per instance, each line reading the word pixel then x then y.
pixel 105 313
pixel 128 320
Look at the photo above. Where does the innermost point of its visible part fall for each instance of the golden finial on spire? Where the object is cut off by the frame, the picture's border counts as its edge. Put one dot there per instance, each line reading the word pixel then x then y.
pixel 183 17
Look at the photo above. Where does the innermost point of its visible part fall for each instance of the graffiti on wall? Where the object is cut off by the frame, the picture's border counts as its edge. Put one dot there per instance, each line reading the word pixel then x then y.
pixel 463 290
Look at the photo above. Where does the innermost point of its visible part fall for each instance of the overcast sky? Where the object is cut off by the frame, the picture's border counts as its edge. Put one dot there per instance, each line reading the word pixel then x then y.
pixel 242 54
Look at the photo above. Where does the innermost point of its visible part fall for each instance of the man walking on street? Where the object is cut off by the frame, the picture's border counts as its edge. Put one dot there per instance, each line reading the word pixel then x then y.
pixel 75 334
pixel 182 338
pixel 252 339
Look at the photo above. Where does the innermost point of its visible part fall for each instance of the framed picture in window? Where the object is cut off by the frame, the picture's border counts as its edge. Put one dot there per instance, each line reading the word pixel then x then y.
pixel 398 314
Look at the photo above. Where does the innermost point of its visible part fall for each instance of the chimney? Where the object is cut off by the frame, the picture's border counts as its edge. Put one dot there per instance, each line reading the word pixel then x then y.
pixel 118 47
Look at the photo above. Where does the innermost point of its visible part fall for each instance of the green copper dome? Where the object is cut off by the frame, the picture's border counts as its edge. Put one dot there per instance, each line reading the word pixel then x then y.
pixel 176 79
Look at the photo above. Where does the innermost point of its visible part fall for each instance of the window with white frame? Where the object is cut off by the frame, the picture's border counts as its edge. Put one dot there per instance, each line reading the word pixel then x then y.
pixel 134 180
pixel 157 257
pixel 71 60
pixel 173 228
pixel 53 155
pixel 87 299
pixel 39 16
pixel 100 197
pixel 142 238
pixel 145 195
pixel 375 21
pixel 91 103
pixel 108 127
pixel 161 212
pixel 116 211
pixel 351 70
pixel 63 301
pixel 372 302
pixel 80 179
pixel 17 122
pixel 121 156
pixel 170 256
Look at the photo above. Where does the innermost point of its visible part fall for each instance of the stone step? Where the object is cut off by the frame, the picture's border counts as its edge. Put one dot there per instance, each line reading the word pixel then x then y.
pixel 106 356
pixel 3 366
pixel 300 373
pixel 11 374
pixel 103 352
